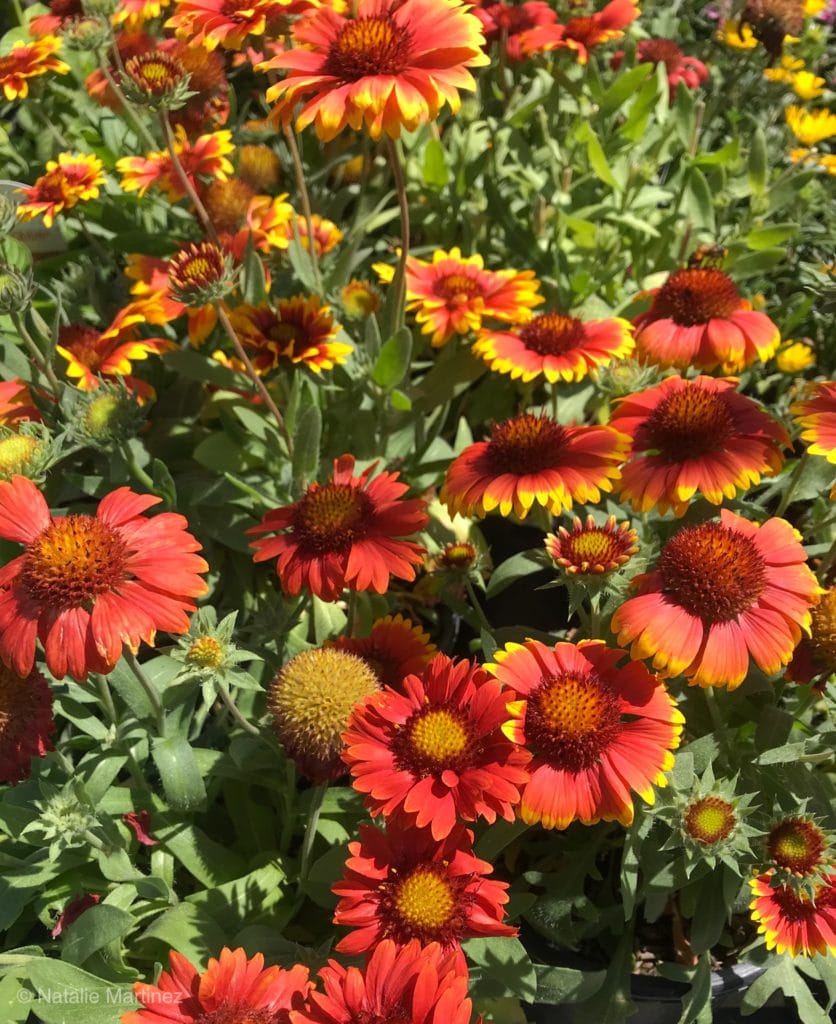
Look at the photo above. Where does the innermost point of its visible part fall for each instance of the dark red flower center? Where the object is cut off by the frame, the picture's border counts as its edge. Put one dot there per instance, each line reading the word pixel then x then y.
pixel 457 288
pixel 434 740
pixel 552 334
pixel 689 423
pixel 696 295
pixel 526 444
pixel 73 561
pixel 659 51
pixel 286 333
pixel 399 1014
pixel 66 8
pixel 571 720
pixel 511 17
pixel 709 820
pixel 330 517
pixel 237 10
pixel 424 903
pixel 713 572
pixel 368 46
pixel 796 845
pixel 83 341
pixel 227 1014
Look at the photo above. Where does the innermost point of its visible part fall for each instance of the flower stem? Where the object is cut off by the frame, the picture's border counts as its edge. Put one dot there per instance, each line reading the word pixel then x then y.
pixel 317 798
pixel 476 605
pixel 718 725
pixel 252 373
pixel 400 188
pixel 185 180
pixel 137 471
pixel 229 703
pixel 138 125
pixel 106 698
pixel 304 198
pixel 792 483
pixel 41 364
pixel 148 687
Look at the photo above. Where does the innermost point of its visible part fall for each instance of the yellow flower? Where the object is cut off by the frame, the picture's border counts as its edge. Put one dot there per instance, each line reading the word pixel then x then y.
pixel 739 36
pixel 813 7
pixel 807 85
pixel 794 356
pixel 810 126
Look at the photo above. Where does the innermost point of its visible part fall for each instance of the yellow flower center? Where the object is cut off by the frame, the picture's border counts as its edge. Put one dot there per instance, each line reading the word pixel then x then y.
pixel 74 560
pixel 367 47
pixel 16 453
pixel 439 736
pixel 425 900
pixel 796 845
pixel 709 820
pixel 552 334
pixel 457 556
pixel 206 652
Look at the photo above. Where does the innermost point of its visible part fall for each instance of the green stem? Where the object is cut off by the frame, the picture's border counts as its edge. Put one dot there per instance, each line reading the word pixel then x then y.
pixel 138 125
pixel 106 697
pixel 229 703
pixel 305 199
pixel 137 472
pixel 476 605
pixel 254 376
pixel 41 364
pixel 792 483
pixel 403 203
pixel 21 19
pixel 718 725
pixel 317 798
pixel 148 687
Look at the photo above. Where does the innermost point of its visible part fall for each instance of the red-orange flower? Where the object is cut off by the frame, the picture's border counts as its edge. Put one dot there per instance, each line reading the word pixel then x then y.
pixel 533 459
pixel 91 352
pixel 299 330
pixel 134 13
pixel 555 346
pixel 790 920
pixel 347 533
pixel 592 550
pixel 585 33
pixel 598 731
pixel 391 65
pixel 29 60
pixel 435 752
pixel 452 294
pixel 327 236
pixel 720 593
pixel 206 156
pixel 394 649
pixel 220 22
pixel 16 403
pixel 817 415
pixel 71 179
pixel 232 990
pixel 61 13
pixel 814 660
pixel 411 984
pixel 26 722
pixel 693 436
pixel 510 21
pixel 402 884
pixel 698 319
pixel 88 584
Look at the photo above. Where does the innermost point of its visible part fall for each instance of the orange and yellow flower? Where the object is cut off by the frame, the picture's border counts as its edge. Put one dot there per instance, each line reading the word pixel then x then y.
pixel 599 732
pixel 91 352
pixel 720 594
pixel 71 179
pixel 299 330
pixel 592 550
pixel 392 65
pixel 348 533
pixel 232 988
pixel 817 416
pixel 434 753
pixel 227 23
pixel 790 920
pixel 134 13
pixel 452 294
pixel 555 346
pixel 403 884
pixel 205 157
pixel 394 649
pixel 16 403
pixel 88 585
pixel 29 60
pixel 327 236
pixel 582 34
pixel 534 460
pixel 695 436
pixel 699 319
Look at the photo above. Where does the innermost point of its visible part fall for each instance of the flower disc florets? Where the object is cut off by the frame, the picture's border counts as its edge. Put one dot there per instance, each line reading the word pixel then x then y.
pixel 199 274
pixel 591 549
pixel 796 845
pixel 106 416
pixel 158 80
pixel 27 451
pixel 16 290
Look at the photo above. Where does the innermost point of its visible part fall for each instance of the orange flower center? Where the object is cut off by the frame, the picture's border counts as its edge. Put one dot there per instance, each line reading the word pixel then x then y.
pixel 457 288
pixel 796 845
pixel 73 561
pixel 660 51
pixel 227 1014
pixel 526 444
pixel 432 741
pixel 696 295
pixel 552 334
pixel 368 46
pixel 593 547
pixel 709 820
pixel 713 572
pixel 823 631
pixel 227 203
pixel 571 720
pixel 688 424
pixel 329 518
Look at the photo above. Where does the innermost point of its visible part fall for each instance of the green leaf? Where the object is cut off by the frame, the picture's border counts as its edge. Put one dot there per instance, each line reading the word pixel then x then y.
pixel 782 755
pixel 179 772
pixel 624 88
pixel 598 161
pixel 96 928
pixel 306 447
pixel 698 199
pixel 164 482
pixel 393 362
pixel 190 930
pixel 774 234
pixel 757 166
pixel 696 1006
pixel 557 985
pixel 507 969
pixel 68 995
pixel 253 280
pixel 754 264
pixel 512 569
pixel 435 170
pixel 207 861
